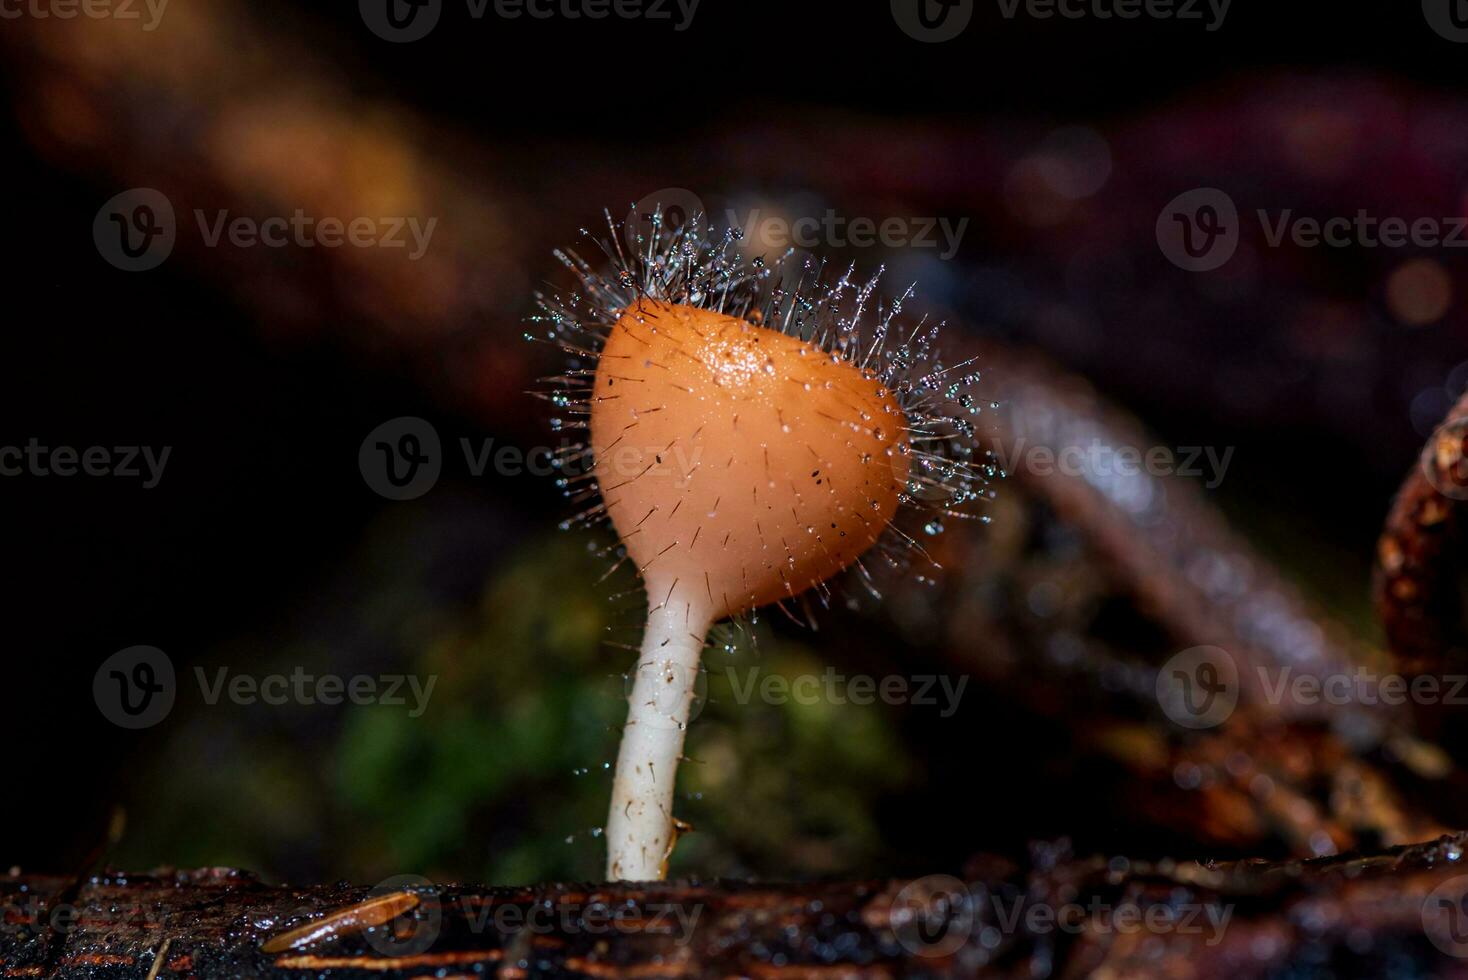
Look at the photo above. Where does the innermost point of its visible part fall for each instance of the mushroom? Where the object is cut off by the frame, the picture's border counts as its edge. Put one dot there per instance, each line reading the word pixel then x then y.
pixel 749 441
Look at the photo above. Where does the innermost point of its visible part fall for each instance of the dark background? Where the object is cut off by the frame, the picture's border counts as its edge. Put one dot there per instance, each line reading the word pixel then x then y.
pixel 260 520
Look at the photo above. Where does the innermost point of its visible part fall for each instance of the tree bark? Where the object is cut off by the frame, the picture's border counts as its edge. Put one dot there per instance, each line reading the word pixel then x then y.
pixel 1058 916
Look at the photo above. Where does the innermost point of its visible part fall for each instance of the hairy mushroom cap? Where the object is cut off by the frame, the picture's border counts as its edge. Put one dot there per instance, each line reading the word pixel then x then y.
pixel 739 465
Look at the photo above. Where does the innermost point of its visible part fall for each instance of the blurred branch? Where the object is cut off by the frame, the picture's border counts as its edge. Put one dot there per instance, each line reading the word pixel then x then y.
pixel 1419 574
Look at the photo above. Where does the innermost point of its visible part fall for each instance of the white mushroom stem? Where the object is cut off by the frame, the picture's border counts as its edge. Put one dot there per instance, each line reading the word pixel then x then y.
pixel 640 834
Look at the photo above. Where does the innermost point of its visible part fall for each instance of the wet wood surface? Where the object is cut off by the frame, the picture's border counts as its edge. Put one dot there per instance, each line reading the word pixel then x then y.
pixel 1400 911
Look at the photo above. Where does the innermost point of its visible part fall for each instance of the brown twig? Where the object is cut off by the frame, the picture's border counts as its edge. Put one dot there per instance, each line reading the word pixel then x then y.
pixel 1418 593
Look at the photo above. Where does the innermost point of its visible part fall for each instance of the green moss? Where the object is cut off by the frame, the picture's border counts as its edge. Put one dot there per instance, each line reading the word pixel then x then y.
pixel 510 759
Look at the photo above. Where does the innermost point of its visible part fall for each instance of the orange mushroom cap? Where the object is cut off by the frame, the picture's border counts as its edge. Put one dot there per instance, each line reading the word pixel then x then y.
pixel 739 465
